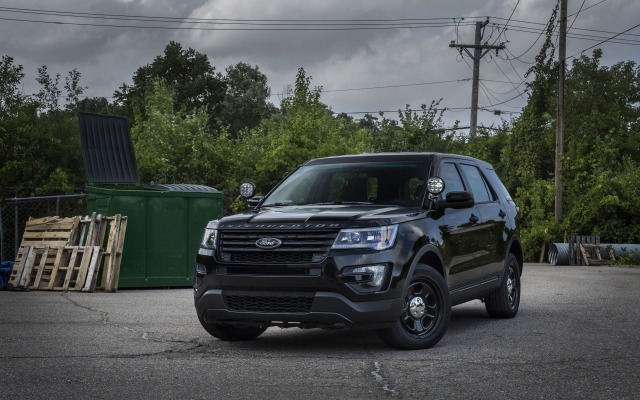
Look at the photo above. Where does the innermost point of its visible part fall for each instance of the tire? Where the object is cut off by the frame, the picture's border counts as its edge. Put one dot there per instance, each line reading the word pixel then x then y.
pixel 425 313
pixel 505 301
pixel 233 333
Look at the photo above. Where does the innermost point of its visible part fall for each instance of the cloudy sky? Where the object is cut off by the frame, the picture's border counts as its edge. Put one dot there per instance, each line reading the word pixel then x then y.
pixel 368 55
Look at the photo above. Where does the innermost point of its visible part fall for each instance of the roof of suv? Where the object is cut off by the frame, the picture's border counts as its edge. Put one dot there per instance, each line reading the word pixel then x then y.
pixel 388 157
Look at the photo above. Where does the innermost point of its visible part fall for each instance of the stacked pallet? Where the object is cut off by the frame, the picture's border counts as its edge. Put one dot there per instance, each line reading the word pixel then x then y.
pixel 69 253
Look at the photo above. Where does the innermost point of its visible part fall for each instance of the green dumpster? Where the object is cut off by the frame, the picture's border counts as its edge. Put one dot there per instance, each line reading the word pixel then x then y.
pixel 165 222
pixel 164 229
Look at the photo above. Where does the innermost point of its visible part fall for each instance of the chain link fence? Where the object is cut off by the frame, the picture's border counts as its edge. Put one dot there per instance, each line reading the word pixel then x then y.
pixel 15 212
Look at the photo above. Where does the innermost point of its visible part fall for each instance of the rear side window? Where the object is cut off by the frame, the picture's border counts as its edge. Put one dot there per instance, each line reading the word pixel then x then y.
pixel 497 184
pixel 478 185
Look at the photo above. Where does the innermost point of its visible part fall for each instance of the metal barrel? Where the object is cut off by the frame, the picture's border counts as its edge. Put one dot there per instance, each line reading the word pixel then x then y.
pixel 622 250
pixel 558 254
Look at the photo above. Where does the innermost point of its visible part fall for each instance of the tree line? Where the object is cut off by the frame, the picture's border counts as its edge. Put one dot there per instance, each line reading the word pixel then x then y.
pixel 192 124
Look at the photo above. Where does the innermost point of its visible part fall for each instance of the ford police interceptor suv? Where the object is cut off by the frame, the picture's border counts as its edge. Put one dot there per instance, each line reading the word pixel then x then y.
pixel 382 241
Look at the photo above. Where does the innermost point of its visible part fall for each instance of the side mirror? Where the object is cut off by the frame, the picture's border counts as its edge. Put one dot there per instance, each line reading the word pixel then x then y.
pixel 254 201
pixel 457 200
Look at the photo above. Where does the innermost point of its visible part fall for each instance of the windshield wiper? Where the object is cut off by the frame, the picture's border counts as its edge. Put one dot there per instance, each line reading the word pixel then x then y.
pixel 279 204
pixel 341 202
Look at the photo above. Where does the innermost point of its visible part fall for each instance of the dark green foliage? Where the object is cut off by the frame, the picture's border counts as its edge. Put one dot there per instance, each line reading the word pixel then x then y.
pixel 188 73
pixel 39 140
pixel 246 100
pixel 193 125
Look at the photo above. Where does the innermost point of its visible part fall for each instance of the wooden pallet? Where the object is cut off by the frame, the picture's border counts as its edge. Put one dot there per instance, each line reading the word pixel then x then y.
pixel 576 256
pixel 67 253
pixel 65 268
pixel 592 254
pixel 113 253
pixel 48 231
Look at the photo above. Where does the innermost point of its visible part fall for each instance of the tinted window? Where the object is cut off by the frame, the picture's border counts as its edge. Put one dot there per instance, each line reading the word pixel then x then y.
pixel 479 188
pixel 452 180
pixel 497 184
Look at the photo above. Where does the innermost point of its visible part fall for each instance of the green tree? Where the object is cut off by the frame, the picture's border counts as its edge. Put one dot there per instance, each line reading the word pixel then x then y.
pixel 34 133
pixel 305 130
pixel 246 101
pixel 188 73
pixel 602 149
pixel 10 79
pixel 415 131
pixel 171 146
pixel 100 105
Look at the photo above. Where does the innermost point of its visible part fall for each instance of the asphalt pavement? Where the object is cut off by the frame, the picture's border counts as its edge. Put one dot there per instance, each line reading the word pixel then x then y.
pixel 577 336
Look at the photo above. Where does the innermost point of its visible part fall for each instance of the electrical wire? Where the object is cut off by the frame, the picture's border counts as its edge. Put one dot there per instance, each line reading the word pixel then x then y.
pixel 604 41
pixel 546 26
pixel 576 14
pixel 591 6
pixel 504 29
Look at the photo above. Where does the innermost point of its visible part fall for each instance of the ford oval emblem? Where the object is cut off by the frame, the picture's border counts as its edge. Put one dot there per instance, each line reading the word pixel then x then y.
pixel 268 243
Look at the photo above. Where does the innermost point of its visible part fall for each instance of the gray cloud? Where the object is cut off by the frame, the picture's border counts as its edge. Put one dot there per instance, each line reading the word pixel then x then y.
pixel 108 56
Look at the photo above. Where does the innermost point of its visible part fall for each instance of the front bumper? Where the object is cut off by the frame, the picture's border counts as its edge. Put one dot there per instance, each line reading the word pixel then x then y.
pixel 324 308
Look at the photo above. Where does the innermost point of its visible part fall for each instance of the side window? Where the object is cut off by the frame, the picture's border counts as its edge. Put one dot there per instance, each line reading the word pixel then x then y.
pixel 452 180
pixel 479 188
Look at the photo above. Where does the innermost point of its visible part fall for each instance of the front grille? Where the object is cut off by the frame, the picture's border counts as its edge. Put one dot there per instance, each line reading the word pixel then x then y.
pixel 298 247
pixel 272 257
pixel 265 270
pixel 269 302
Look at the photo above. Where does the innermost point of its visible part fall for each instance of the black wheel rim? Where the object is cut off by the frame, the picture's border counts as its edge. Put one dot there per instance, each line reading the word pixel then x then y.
pixel 513 291
pixel 422 308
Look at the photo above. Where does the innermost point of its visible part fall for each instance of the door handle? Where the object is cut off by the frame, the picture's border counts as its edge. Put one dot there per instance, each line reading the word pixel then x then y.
pixel 502 214
pixel 473 219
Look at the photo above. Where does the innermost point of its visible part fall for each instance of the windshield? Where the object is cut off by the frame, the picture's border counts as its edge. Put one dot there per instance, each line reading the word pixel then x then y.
pixel 393 183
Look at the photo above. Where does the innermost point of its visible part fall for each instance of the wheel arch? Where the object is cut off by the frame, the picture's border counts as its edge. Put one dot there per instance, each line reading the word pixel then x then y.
pixel 428 255
pixel 515 248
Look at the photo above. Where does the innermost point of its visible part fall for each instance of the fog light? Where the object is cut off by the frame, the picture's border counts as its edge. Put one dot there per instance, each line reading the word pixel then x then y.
pixel 201 271
pixel 366 277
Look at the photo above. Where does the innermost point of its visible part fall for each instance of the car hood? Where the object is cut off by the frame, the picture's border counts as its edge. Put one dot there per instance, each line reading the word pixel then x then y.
pixel 322 216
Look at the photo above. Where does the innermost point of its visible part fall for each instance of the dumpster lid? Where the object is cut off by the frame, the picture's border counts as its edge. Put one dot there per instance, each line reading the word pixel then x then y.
pixel 107 149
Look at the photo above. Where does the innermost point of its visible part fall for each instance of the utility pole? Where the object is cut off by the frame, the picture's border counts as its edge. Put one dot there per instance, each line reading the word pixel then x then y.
pixel 477 55
pixel 562 54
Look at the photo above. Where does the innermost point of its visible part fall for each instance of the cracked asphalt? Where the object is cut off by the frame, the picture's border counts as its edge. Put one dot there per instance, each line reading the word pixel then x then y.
pixel 577 335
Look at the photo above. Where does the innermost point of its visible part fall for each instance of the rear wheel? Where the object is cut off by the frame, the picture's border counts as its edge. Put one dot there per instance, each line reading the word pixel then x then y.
pixel 425 313
pixel 505 301
pixel 234 332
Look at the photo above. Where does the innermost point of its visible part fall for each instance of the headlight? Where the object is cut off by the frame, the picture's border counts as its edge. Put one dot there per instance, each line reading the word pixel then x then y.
pixel 210 237
pixel 378 238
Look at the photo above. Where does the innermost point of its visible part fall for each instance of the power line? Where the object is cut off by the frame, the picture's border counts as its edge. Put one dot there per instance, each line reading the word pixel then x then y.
pixel 604 41
pixel 396 86
pixel 239 24
pixel 591 6
pixel 275 28
pixel 507 23
pixel 576 14
pixel 546 26
pixel 400 85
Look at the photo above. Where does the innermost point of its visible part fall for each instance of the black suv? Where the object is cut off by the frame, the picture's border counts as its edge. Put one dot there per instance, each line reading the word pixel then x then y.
pixel 382 241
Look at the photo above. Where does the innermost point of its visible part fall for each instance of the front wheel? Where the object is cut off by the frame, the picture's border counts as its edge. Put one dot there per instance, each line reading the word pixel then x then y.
pixel 233 332
pixel 425 315
pixel 505 301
